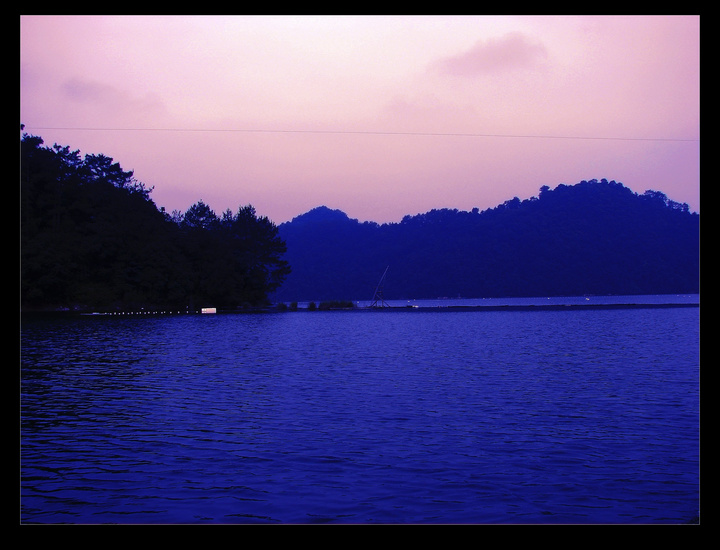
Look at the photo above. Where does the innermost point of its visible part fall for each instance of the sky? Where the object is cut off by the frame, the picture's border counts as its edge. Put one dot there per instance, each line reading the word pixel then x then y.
pixel 378 116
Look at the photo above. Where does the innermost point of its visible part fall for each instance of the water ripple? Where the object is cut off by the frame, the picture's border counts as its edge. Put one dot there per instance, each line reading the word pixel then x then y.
pixel 492 417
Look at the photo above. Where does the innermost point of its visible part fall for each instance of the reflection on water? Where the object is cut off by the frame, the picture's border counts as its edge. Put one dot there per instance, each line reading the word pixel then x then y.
pixel 465 417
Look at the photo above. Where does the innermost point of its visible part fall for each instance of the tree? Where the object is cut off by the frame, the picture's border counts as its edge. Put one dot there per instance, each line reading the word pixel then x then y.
pixel 199 216
pixel 595 237
pixel 257 251
pixel 91 237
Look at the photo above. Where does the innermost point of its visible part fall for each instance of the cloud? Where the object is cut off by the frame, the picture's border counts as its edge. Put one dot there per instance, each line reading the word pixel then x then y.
pixel 109 98
pixel 495 55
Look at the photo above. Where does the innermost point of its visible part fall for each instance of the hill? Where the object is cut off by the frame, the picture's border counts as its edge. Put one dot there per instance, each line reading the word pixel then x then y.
pixel 93 239
pixel 595 237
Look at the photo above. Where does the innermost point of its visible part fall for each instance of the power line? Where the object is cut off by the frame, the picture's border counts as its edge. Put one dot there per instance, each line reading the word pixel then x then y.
pixel 364 132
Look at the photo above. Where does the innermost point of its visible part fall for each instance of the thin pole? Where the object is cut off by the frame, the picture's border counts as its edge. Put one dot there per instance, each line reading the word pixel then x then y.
pixel 378 292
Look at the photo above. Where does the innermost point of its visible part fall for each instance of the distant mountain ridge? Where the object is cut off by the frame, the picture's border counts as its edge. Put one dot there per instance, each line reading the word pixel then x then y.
pixel 594 237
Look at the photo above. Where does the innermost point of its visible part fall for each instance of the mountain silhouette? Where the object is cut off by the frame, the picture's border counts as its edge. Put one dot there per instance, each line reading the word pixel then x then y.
pixel 594 237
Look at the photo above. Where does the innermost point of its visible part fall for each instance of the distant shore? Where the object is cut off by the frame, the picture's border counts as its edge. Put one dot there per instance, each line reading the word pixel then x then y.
pixel 388 309
pixel 553 307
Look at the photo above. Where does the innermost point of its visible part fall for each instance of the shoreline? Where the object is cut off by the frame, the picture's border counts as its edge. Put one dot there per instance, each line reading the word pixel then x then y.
pixel 528 307
pixel 387 309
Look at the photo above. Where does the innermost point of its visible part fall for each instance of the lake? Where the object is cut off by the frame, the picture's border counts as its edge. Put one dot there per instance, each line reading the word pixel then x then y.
pixel 550 416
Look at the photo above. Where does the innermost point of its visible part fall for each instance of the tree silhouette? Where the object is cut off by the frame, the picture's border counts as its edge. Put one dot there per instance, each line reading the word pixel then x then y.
pixel 91 237
pixel 594 237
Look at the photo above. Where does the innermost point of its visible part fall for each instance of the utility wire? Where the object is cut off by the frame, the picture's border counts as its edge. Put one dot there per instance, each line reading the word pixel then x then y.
pixel 362 132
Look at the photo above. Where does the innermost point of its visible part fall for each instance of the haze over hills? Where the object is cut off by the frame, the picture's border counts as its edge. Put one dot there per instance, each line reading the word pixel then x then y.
pixel 595 237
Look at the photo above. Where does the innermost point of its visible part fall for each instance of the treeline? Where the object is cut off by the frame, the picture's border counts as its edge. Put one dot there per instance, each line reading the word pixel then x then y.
pixel 595 237
pixel 91 238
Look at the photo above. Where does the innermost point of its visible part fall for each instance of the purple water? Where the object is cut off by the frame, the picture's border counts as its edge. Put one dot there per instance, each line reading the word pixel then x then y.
pixel 360 417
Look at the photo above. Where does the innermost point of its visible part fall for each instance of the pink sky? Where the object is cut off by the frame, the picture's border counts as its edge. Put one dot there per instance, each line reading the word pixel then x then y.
pixel 377 116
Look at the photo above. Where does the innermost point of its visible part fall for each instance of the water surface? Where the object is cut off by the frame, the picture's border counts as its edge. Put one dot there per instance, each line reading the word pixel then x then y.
pixel 578 416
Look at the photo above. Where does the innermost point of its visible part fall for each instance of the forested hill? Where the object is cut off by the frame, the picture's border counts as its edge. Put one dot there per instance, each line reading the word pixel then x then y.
pixel 91 238
pixel 595 237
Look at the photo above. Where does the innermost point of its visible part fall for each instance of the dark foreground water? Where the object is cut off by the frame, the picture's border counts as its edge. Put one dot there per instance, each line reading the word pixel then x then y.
pixel 577 416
